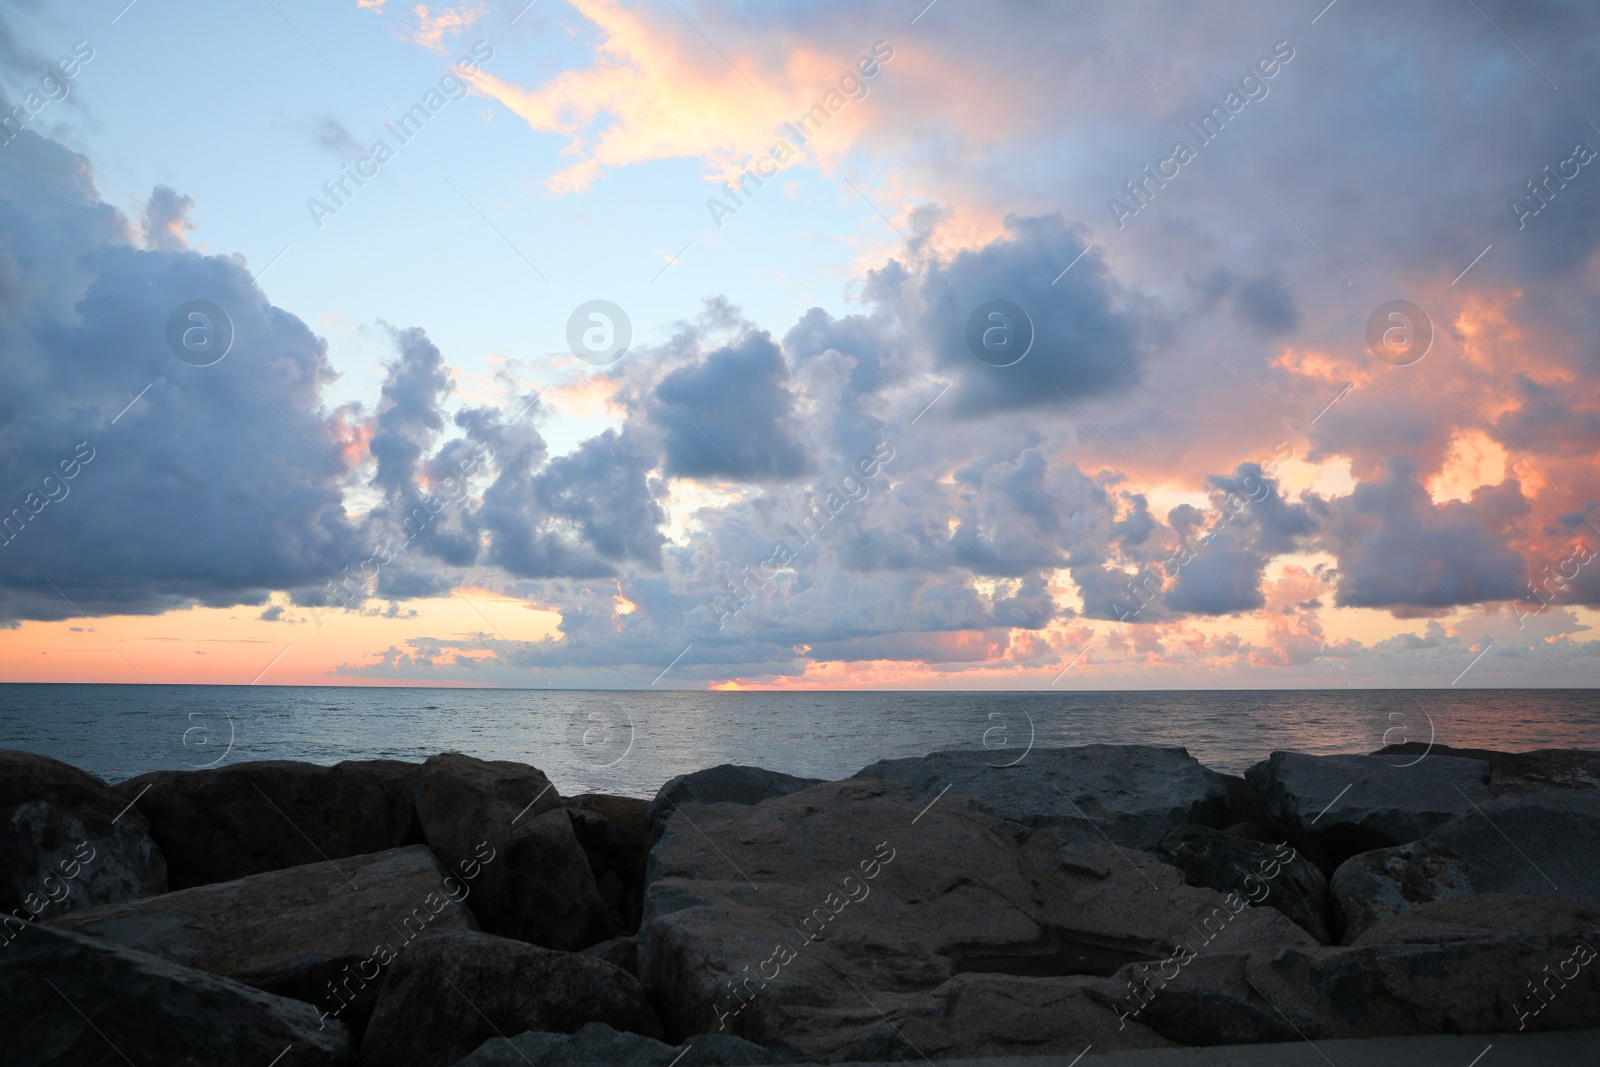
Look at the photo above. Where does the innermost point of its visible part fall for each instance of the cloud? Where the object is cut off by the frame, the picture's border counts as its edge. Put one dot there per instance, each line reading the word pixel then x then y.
pixel 731 415
pixel 333 137
pixel 429 30
pixel 1399 550
pixel 166 220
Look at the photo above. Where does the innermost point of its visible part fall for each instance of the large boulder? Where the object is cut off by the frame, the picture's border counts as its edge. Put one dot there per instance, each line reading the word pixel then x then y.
pixel 540 887
pixel 1514 773
pixel 1332 807
pixel 77 1001
pixel 67 841
pixel 322 933
pixel 1450 970
pixel 598 1045
pixel 224 823
pixel 614 833
pixel 451 992
pixel 726 783
pixel 1273 876
pixel 1544 843
pixel 1131 794
pixel 849 923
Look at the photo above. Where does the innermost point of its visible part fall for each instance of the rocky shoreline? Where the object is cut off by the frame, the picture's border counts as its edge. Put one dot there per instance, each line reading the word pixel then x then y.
pixel 461 911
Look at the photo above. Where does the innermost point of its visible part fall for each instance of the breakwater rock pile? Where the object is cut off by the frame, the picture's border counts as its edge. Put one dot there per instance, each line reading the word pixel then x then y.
pixel 462 911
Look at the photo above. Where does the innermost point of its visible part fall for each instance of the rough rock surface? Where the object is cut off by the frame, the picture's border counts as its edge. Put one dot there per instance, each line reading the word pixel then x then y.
pixel 850 923
pixel 1257 871
pixel 619 951
pixel 724 784
pixel 75 1001
pixel 63 845
pixel 1332 807
pixel 539 887
pixel 597 1045
pixel 1444 968
pixel 231 822
pixel 1132 794
pixel 1542 843
pixel 615 835
pixel 293 932
pixel 1515 773
pixel 451 992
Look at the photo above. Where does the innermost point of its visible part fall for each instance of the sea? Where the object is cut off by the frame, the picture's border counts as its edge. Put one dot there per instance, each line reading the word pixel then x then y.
pixel 630 742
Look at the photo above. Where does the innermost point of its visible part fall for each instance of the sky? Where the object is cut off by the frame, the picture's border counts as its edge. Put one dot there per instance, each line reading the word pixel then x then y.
pixel 672 344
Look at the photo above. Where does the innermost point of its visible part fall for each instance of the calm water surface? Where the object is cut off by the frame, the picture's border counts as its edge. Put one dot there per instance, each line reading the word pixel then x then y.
pixel 631 742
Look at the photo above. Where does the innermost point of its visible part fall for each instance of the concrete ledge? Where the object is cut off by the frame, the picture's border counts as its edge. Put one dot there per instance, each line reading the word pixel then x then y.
pixel 1560 1048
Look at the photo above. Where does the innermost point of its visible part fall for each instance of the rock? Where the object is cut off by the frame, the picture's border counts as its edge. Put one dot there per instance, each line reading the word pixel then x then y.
pixel 231 822
pixel 1133 794
pixel 66 842
pixel 1515 773
pixel 852 921
pixel 1273 876
pixel 1542 843
pixel 619 952
pixel 614 833
pixel 78 1001
pixel 540 889
pixel 597 1045
pixel 321 933
pixel 1487 914
pixel 1332 807
pixel 451 992
pixel 1437 974
pixel 724 784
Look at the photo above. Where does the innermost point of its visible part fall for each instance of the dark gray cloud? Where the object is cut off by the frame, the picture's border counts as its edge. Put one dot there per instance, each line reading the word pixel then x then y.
pixel 1397 549
pixel 205 483
pixel 1089 334
pixel 731 415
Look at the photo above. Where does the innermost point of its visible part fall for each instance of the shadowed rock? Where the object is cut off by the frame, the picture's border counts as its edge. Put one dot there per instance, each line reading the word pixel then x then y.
pixel 1443 968
pixel 1542 843
pixel 597 1045
pixel 1512 773
pixel 451 992
pixel 539 888
pixel 1332 807
pixel 615 835
pixel 63 845
pixel 1133 794
pixel 231 822
pixel 808 918
pixel 322 933
pixel 1259 872
pixel 724 784
pixel 76 1001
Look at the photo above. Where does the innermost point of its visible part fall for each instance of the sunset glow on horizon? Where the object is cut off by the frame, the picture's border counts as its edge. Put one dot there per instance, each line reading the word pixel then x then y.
pixel 603 345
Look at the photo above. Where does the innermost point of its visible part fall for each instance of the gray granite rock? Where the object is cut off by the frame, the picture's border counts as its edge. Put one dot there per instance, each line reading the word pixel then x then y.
pixel 1333 807
pixel 76 1001
pixel 539 887
pixel 323 933
pixel 451 992
pixel 223 823
pixel 67 841
pixel 1131 794
pixel 852 921
pixel 724 784
pixel 597 1045
pixel 1268 875
pixel 1544 843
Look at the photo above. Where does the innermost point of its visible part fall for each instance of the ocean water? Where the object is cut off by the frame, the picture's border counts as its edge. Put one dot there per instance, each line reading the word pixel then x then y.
pixel 629 743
